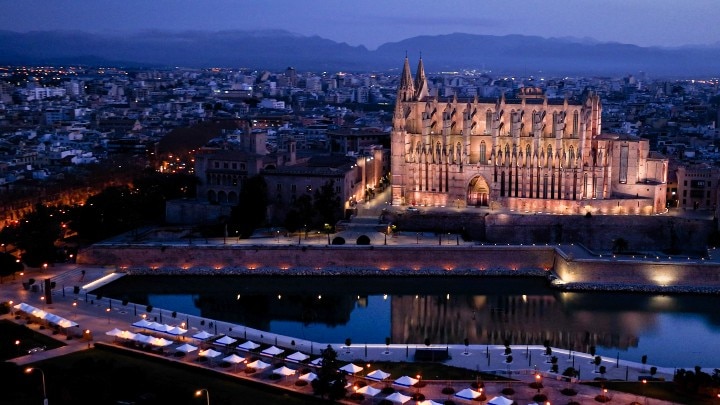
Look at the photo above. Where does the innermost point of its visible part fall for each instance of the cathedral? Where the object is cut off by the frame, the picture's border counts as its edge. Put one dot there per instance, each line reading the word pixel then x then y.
pixel 524 153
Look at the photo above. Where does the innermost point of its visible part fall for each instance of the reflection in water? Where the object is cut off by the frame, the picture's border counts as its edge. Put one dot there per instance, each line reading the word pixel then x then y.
pixel 483 310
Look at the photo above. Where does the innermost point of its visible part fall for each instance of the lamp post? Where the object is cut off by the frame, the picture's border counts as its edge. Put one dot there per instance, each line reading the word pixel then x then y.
pixel 207 394
pixel 107 312
pixel 30 370
pixel 74 304
pixel 537 382
pixel 17 347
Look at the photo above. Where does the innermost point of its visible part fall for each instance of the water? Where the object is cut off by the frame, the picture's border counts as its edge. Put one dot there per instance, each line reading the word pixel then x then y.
pixel 673 331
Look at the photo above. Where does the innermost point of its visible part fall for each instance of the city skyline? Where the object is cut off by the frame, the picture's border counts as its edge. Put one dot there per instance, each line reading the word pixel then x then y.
pixel 371 23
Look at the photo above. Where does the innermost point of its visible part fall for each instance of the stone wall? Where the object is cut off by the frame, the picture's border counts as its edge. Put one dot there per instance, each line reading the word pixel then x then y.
pixel 597 232
pixel 634 272
pixel 383 257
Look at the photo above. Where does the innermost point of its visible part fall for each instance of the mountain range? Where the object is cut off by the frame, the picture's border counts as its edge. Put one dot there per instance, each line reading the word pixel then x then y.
pixel 278 49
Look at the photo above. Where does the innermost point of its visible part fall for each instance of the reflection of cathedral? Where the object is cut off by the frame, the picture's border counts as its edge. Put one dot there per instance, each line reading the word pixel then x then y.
pixel 526 153
pixel 519 319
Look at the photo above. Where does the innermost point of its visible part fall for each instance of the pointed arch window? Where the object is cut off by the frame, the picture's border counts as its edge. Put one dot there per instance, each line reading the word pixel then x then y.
pixel 576 124
pixel 549 156
pixel 483 153
pixel 488 121
pixel 527 155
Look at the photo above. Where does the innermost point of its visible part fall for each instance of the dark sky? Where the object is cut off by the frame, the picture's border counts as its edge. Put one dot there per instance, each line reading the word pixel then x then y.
pixel 373 22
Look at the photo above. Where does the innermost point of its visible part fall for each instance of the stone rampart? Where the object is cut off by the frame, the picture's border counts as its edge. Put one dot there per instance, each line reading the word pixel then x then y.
pixel 382 257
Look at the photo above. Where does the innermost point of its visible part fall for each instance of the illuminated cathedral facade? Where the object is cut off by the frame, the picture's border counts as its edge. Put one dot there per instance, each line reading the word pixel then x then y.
pixel 526 154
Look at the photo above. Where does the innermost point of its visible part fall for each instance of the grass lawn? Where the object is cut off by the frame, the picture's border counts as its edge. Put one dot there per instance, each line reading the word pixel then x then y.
pixel 11 332
pixel 107 375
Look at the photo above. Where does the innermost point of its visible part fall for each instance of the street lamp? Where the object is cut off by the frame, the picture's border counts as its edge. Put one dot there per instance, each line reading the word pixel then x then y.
pixel 107 311
pixel 17 347
pixel 207 394
pixel 30 370
pixel 75 309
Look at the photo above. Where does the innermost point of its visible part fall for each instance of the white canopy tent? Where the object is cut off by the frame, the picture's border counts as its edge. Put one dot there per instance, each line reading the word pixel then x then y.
pixel 405 381
pixel 186 348
pixel 351 368
pixel 308 377
pixel 143 323
pixel 249 345
pixel 368 390
pixel 202 335
pixel 126 334
pixel 298 357
pixel 177 331
pixel 225 340
pixel 501 400
pixel 429 402
pixel 377 375
pixel 161 342
pixel 234 359
pixel 272 351
pixel 284 371
pixel 209 353
pixel 467 393
pixel 258 365
pixel 398 398
pixel 113 332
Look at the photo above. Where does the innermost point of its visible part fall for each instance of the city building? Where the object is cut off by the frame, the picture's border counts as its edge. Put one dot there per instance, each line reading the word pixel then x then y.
pixel 526 153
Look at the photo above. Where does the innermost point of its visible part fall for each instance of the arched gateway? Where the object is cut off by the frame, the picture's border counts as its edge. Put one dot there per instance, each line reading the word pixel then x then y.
pixel 478 192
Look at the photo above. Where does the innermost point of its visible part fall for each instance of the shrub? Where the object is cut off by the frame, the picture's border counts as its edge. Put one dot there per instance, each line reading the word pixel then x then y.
pixel 448 390
pixel 602 398
pixel 363 240
pixel 508 391
pixel 338 240
pixel 540 398
pixel 568 391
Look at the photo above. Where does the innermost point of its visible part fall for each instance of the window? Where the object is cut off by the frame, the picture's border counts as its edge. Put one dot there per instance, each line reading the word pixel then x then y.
pixel 217 165
pixel 308 188
pixel 483 153
pixel 234 165
pixel 488 121
pixel 292 188
pixel 624 152
pixel 279 187
pixel 576 126
pixel 225 165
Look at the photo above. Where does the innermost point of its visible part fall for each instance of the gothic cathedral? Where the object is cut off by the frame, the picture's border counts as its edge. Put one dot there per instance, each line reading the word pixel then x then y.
pixel 525 153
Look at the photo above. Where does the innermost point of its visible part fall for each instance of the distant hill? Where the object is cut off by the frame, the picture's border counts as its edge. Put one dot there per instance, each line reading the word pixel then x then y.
pixel 278 49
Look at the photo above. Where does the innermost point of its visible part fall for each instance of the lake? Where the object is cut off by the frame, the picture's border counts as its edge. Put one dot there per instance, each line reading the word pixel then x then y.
pixel 673 331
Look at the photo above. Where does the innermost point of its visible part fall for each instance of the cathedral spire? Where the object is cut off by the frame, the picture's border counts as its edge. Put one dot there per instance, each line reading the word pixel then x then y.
pixel 406 90
pixel 421 87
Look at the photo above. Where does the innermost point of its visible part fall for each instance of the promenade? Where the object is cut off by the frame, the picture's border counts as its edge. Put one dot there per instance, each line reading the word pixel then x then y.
pixel 100 316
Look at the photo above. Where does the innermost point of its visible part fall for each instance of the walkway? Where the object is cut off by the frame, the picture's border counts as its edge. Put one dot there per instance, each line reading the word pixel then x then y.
pixel 94 316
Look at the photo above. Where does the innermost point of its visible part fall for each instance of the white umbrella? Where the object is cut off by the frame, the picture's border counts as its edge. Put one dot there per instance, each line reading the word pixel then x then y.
pixel 272 351
pixel 177 331
pixel 350 368
pixel 202 335
pixel 284 371
pixel 113 332
pixel 368 390
pixel 161 342
pixel 226 340
pixel 298 356
pixel 209 353
pixel 126 334
pixel 186 348
pixel 398 398
pixel 429 402
pixel 143 323
pixel 249 345
pixel 139 337
pixel 378 375
pixel 308 377
pixel 405 381
pixel 317 362
pixel 258 365
pixel 501 400
pixel 66 323
pixel 156 326
pixel 467 393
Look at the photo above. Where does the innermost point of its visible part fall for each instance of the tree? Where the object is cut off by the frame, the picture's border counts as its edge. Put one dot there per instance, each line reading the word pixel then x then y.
pixel 37 233
pixel 643 360
pixel 9 265
pixel 251 211
pixel 597 361
pixel 330 381
pixel 327 204
pixel 466 342
pixel 603 370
